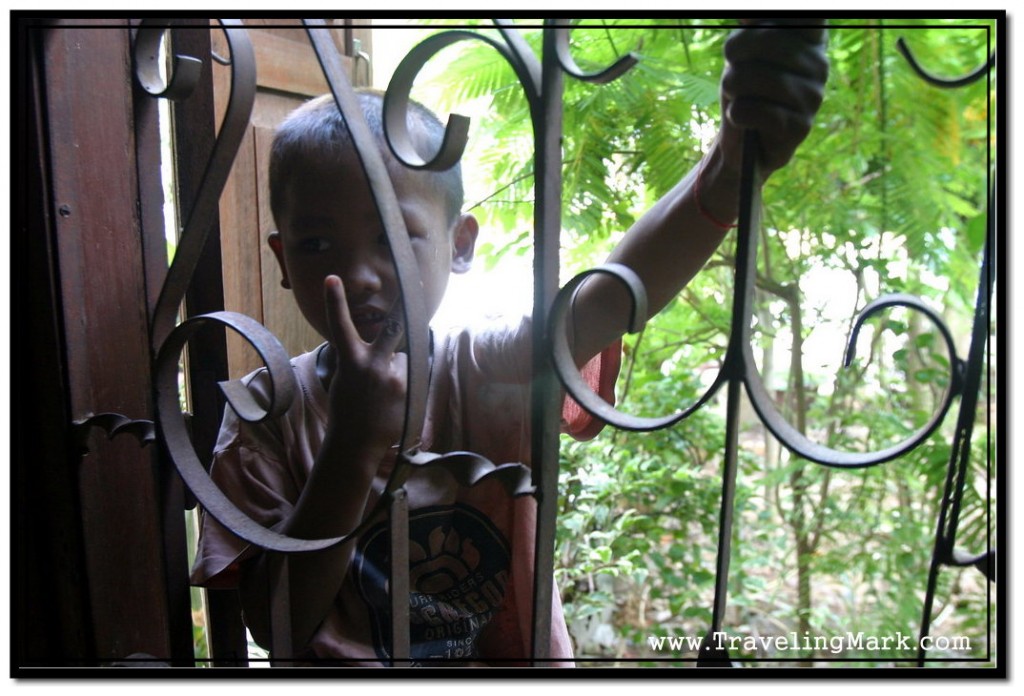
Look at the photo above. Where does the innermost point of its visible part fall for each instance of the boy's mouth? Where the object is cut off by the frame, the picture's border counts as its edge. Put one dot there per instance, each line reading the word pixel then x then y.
pixel 369 322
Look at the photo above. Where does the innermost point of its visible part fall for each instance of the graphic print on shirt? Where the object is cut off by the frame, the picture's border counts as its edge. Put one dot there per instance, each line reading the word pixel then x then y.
pixel 458 572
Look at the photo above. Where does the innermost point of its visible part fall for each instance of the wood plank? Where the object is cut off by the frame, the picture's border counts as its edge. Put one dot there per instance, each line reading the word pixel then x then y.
pixel 289 65
pixel 285 61
pixel 48 559
pixel 240 255
pixel 105 324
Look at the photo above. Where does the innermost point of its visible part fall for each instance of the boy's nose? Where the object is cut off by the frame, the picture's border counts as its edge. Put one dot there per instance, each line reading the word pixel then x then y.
pixel 361 278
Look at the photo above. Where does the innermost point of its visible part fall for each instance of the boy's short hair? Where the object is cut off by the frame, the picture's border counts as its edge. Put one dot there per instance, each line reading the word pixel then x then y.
pixel 317 129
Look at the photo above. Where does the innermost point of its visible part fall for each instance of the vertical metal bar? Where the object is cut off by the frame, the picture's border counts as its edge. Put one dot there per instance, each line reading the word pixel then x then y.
pixel 225 635
pixel 281 648
pixel 544 411
pixel 196 117
pixel 711 654
pixel 727 504
pixel 949 512
pixel 972 382
pixel 400 646
pixel 174 498
pixel 735 369
pixel 945 535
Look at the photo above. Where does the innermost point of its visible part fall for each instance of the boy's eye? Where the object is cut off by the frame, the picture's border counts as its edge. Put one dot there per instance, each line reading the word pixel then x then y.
pixel 313 245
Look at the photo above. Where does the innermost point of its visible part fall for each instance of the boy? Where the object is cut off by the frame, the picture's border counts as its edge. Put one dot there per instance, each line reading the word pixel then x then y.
pixel 318 470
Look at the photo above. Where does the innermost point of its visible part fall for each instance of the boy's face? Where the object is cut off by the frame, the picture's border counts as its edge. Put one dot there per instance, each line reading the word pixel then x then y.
pixel 329 225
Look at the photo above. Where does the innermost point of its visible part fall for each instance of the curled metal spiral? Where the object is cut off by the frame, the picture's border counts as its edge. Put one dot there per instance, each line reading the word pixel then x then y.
pixel 946 82
pixel 184 71
pixel 568 63
pixel 740 365
pixel 176 436
pixel 169 340
pixel 200 217
pixel 514 50
pixel 396 105
pixel 800 444
pixel 569 374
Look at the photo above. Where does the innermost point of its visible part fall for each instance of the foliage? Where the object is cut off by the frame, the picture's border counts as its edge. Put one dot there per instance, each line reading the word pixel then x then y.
pixel 888 194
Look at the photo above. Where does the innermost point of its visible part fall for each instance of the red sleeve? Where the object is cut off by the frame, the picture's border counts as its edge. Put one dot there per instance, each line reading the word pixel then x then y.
pixel 600 374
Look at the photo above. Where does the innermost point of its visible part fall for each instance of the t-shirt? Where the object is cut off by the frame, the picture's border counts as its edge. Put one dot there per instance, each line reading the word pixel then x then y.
pixel 471 549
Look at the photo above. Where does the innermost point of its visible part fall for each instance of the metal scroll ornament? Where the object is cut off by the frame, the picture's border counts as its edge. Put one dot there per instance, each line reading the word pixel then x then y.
pixel 169 340
pixel 945 552
pixel 739 368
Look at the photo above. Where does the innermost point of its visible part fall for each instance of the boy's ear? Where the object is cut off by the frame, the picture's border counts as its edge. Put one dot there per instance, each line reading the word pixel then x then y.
pixel 464 242
pixel 277 246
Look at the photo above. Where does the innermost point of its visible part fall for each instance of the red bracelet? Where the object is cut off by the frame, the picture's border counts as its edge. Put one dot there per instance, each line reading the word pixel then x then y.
pixel 700 206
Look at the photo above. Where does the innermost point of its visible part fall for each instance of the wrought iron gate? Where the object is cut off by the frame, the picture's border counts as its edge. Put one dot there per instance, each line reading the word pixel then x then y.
pixel 541 78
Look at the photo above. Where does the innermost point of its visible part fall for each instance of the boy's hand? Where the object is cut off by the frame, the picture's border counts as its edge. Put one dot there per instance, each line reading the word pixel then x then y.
pixel 367 392
pixel 773 83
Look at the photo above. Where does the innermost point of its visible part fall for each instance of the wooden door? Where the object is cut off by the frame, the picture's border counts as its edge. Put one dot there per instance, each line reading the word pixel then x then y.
pixel 101 574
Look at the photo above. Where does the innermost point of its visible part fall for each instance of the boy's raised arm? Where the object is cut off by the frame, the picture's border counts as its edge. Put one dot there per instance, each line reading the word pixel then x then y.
pixel 773 83
pixel 367 407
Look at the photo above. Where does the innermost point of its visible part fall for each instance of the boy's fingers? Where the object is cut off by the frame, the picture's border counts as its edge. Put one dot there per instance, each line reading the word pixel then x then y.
pixel 390 336
pixel 780 51
pixel 787 128
pixel 339 321
pixel 810 30
pixel 758 82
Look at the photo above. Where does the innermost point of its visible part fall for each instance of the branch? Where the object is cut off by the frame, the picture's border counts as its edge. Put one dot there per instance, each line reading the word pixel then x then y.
pixel 500 190
pixel 816 534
